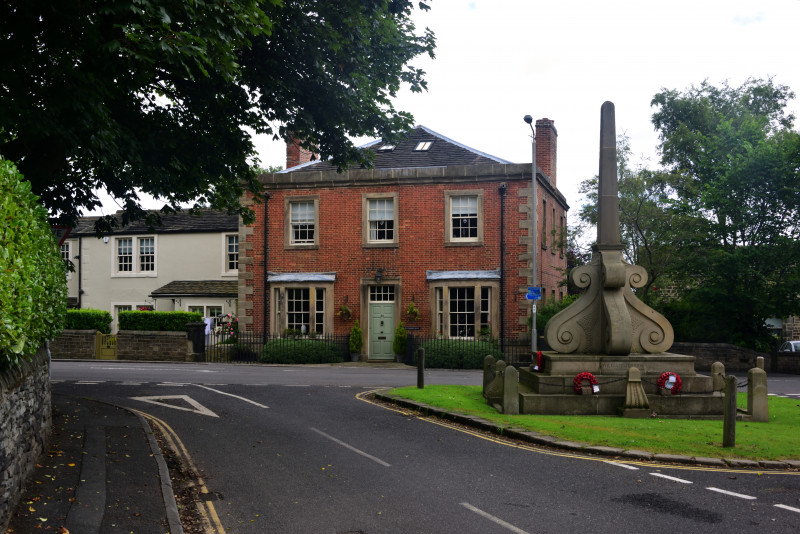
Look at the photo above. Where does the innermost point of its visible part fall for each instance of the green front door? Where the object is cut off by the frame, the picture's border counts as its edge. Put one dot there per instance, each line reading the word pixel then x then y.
pixel 381 330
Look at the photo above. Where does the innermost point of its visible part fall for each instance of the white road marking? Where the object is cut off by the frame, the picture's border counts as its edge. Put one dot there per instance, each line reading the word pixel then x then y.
pixel 232 395
pixel 493 519
pixel 198 408
pixel 626 466
pixel 178 384
pixel 90 382
pixel 348 446
pixel 682 481
pixel 182 369
pixel 790 508
pixel 732 494
pixel 130 383
pixel 297 385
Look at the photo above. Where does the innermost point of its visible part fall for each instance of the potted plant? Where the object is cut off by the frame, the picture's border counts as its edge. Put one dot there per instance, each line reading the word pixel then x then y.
pixel 412 311
pixel 345 312
pixel 356 342
pixel 399 343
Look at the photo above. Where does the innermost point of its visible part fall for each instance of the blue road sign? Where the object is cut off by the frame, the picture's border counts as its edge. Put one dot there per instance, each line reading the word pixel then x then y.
pixel 534 293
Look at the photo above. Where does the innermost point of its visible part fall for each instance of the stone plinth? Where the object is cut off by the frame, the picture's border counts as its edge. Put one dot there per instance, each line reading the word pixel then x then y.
pixel 551 390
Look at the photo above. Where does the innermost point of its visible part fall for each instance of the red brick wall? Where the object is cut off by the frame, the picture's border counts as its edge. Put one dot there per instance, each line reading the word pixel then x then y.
pixel 296 155
pixel 546 145
pixel 421 223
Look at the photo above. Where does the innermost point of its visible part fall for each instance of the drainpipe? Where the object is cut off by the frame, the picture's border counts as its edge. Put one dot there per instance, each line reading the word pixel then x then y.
pixel 502 191
pixel 265 297
pixel 80 271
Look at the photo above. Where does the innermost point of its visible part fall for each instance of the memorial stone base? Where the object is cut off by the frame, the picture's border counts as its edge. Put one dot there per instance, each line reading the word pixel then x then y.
pixel 551 390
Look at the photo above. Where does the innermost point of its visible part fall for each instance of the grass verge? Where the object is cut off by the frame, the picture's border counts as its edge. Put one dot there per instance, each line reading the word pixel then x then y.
pixel 775 440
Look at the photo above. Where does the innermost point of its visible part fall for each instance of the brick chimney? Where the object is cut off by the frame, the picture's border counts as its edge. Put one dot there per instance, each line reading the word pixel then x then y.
pixel 296 155
pixel 546 141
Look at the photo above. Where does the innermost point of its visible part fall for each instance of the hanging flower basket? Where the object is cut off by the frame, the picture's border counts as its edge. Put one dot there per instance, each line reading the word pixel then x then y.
pixel 539 365
pixel 580 377
pixel 670 381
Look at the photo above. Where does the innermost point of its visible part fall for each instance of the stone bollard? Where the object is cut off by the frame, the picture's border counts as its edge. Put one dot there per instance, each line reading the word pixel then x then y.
pixel 757 399
pixel 511 391
pixel 488 371
pixel 420 368
pixel 729 422
pixel 718 376
pixel 196 336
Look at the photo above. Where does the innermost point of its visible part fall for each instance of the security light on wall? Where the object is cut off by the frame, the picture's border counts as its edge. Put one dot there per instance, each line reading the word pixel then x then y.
pixel 379 276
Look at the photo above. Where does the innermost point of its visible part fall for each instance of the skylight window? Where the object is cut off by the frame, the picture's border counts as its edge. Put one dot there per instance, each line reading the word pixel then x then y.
pixel 423 146
pixel 385 148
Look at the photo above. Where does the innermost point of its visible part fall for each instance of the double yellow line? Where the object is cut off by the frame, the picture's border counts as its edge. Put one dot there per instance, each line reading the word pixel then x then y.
pixel 211 522
pixel 500 440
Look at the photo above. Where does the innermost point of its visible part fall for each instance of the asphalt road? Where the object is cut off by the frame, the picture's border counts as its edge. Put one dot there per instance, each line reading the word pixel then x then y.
pixel 295 449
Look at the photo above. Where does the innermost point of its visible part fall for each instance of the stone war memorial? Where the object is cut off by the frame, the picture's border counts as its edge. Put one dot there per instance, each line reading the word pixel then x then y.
pixel 609 348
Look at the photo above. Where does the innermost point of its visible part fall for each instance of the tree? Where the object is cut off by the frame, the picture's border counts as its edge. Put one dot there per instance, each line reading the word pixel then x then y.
pixel 33 295
pixel 156 96
pixel 734 158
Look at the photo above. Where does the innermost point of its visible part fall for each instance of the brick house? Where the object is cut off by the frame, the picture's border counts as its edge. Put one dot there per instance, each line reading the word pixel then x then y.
pixel 434 223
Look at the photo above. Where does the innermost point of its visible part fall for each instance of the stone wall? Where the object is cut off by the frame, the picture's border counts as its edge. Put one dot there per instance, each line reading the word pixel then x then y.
pixel 26 419
pixel 735 359
pixel 153 346
pixel 75 345
pixel 791 328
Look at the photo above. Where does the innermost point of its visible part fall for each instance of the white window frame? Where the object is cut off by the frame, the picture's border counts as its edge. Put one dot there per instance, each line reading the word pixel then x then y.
pixel 320 307
pixel 448 218
pixel 66 256
pixel 441 316
pixel 288 235
pixel 136 257
pixel 366 199
pixel 226 268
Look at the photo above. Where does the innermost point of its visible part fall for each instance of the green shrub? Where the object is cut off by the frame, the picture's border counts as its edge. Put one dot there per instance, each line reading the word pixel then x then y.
pixel 89 319
pixel 356 338
pixel 33 294
pixel 458 353
pixel 290 350
pixel 400 340
pixel 157 321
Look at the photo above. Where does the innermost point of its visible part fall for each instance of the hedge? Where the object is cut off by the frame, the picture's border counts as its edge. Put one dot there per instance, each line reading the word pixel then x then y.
pixel 157 321
pixel 89 319
pixel 33 294
pixel 291 351
pixel 458 354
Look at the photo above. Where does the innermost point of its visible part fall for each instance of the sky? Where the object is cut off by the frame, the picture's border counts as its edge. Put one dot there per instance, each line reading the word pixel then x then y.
pixel 499 60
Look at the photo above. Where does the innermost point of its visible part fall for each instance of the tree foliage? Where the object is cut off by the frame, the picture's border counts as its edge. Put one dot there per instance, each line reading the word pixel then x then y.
pixel 158 96
pixel 33 295
pixel 734 159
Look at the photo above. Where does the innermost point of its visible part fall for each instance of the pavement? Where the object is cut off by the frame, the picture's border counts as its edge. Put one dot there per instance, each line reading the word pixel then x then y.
pixel 103 472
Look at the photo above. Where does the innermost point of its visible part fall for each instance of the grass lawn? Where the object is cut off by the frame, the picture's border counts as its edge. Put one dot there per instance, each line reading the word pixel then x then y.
pixel 779 439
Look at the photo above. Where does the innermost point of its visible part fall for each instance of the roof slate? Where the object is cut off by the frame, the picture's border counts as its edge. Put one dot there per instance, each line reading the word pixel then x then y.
pixel 198 288
pixel 443 152
pixel 176 223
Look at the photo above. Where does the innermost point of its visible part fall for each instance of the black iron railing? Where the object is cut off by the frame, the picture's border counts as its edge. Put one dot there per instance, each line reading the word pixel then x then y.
pixel 248 347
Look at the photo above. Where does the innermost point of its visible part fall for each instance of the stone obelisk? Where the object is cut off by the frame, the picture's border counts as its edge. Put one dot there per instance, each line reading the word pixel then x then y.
pixel 608 318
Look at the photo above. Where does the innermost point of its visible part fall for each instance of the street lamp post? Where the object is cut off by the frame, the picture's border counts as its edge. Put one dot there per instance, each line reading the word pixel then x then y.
pixel 534 206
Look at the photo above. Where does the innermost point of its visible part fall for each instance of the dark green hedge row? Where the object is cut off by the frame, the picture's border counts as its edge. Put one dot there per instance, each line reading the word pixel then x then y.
pixel 33 292
pixel 458 354
pixel 293 351
pixel 89 320
pixel 157 321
